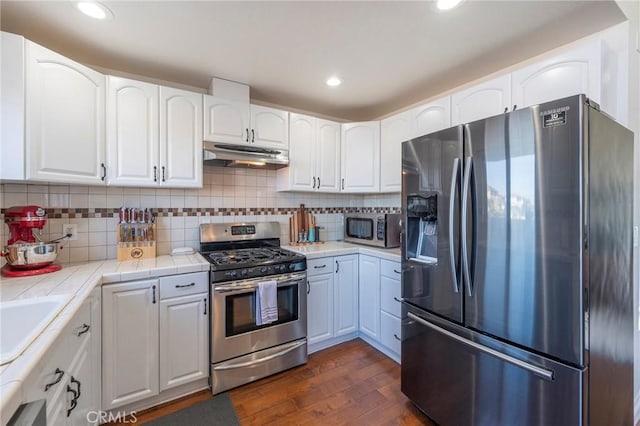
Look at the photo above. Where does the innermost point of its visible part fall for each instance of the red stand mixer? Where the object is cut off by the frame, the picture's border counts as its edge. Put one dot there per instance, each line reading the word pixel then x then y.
pixel 25 254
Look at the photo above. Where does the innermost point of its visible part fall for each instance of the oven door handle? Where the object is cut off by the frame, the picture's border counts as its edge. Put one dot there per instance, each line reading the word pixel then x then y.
pixel 227 288
pixel 290 348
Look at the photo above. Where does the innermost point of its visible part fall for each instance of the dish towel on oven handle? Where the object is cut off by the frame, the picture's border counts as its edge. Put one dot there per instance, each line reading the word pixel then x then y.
pixel 266 302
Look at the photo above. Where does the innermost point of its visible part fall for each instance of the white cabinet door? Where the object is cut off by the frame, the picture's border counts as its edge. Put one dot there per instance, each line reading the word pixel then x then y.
pixel 393 131
pixel 484 100
pixel 226 121
pixel 390 332
pixel 431 117
pixel 184 340
pixel 180 138
pixel 64 119
pixel 302 156
pixel 345 295
pixel 269 127
pixel 570 73
pixel 327 153
pixel 320 308
pixel 132 132
pixel 129 342
pixel 369 295
pixel 360 157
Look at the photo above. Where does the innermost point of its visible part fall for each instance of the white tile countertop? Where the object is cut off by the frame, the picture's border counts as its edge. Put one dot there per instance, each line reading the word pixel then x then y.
pixel 76 281
pixel 337 248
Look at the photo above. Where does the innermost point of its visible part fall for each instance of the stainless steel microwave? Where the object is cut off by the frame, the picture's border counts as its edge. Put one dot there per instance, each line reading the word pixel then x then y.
pixel 374 229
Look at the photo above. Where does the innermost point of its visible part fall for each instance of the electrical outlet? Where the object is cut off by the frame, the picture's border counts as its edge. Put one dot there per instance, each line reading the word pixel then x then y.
pixel 70 228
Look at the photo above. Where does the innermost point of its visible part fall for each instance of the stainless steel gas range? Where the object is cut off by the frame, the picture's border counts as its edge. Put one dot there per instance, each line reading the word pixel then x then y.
pixel 242 256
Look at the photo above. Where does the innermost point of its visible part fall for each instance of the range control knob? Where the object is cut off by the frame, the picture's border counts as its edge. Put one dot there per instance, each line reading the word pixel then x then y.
pixel 292 266
pixel 232 273
pixel 244 273
pixel 263 270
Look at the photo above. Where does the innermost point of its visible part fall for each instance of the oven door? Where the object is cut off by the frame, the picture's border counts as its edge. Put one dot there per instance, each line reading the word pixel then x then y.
pixel 234 330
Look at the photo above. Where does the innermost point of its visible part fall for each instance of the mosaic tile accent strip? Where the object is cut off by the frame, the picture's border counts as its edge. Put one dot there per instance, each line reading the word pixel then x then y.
pixel 57 213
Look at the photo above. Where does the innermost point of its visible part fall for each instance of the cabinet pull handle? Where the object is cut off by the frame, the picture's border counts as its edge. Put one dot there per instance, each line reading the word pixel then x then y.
pixel 396 271
pixel 205 306
pixel 247 140
pixel 155 173
pixel 314 182
pixel 337 267
pixel 514 107
pixel 153 293
pixel 163 179
pixel 77 382
pixel 74 402
pixel 396 336
pixel 104 171
pixel 318 182
pixel 253 136
pixel 320 266
pixel 85 328
pixel 60 374
pixel 308 287
pixel 397 300
pixel 185 285
pixel 342 183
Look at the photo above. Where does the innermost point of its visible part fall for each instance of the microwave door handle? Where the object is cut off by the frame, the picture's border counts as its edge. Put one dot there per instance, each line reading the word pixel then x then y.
pixel 452 205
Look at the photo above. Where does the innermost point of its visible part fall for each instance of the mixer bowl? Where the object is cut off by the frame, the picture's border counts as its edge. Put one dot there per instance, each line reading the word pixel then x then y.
pixel 30 255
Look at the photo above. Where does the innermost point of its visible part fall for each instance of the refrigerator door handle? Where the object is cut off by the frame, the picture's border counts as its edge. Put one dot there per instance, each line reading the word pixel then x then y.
pixel 452 206
pixel 538 371
pixel 463 218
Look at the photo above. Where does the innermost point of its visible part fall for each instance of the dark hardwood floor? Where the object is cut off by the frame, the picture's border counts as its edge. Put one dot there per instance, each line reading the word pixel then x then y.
pixel 351 383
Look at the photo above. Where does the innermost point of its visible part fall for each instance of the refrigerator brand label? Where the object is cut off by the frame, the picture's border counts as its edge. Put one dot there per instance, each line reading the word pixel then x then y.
pixel 555 117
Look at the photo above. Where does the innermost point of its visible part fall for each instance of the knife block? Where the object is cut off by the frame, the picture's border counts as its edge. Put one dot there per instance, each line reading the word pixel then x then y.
pixel 136 250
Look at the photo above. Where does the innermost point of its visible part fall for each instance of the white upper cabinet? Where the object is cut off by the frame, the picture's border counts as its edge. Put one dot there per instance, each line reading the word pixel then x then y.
pixel 132 132
pixel 570 73
pixel 154 135
pixel 483 100
pixel 226 120
pixel 239 123
pixel 393 131
pixel 269 127
pixel 64 119
pixel 431 117
pixel 314 155
pixel 360 158
pixel 180 138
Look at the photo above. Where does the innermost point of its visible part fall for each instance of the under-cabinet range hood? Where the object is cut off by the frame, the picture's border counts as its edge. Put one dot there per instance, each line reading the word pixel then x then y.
pixel 229 155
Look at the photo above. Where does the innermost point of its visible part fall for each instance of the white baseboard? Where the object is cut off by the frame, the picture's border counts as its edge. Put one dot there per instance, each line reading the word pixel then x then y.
pixel 636 408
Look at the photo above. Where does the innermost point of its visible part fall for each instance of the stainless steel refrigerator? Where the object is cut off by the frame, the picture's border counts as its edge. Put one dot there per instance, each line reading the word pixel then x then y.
pixel 517 269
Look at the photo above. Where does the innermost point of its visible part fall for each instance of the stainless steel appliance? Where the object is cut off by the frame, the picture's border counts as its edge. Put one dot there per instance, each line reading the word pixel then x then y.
pixel 229 155
pixel 243 255
pixel 516 269
pixel 374 229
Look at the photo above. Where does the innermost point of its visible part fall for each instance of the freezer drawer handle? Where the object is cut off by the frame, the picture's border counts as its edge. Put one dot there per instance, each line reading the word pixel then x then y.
pixel 541 372
pixel 261 360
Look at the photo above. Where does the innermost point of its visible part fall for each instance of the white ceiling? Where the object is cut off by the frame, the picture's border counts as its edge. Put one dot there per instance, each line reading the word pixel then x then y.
pixel 389 54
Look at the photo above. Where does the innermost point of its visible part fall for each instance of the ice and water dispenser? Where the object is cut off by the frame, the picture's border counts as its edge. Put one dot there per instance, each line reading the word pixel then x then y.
pixel 422 228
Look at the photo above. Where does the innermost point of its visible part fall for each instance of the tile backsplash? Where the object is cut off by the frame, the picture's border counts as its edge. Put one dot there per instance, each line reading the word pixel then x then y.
pixel 228 195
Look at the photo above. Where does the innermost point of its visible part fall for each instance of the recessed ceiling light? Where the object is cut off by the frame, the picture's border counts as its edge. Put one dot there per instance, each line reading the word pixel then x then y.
pixel 334 81
pixel 94 10
pixel 447 4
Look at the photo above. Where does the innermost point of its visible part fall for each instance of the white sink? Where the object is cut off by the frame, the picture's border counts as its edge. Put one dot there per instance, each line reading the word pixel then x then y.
pixel 21 321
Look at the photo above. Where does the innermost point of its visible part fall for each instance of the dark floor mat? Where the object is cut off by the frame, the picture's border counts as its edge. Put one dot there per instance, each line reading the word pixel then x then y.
pixel 218 411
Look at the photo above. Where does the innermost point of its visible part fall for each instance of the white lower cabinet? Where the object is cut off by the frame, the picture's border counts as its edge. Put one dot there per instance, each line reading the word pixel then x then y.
pixel 369 295
pixel 184 347
pixel 332 300
pixel 69 377
pixel 155 336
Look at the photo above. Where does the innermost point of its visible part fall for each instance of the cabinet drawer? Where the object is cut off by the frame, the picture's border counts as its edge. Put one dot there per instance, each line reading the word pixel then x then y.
pixel 390 296
pixel 320 266
pixel 184 285
pixel 390 269
pixel 390 331
pixel 48 379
